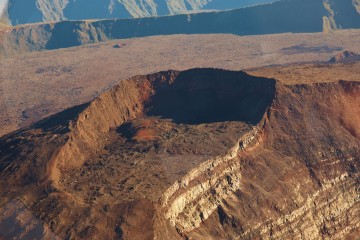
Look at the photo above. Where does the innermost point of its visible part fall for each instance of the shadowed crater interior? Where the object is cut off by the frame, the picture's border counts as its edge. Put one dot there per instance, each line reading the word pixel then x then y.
pixel 212 95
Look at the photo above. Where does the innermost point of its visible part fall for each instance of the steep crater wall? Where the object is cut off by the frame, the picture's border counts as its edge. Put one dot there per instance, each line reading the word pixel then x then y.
pixel 193 96
pixel 302 180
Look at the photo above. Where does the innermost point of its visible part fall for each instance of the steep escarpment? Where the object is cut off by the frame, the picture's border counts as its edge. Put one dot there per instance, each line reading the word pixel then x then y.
pixel 357 5
pixel 191 201
pixel 22 12
pixel 203 153
pixel 341 14
pixel 4 21
pixel 309 159
pixel 277 17
pixel 87 133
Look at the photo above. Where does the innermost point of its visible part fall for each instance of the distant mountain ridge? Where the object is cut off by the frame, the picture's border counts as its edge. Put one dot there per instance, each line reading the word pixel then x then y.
pixel 297 16
pixel 31 11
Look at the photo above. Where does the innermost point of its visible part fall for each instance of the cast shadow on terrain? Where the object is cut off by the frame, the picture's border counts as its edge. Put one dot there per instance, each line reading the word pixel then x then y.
pixel 302 48
pixel 23 141
pixel 61 120
pixel 211 95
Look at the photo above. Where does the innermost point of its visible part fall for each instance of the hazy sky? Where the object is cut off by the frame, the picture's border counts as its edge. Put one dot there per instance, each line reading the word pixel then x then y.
pixel 2 6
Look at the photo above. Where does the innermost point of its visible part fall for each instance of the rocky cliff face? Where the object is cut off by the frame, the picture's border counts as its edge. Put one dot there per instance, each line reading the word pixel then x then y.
pixel 73 33
pixel 58 10
pixel 281 162
pixel 357 5
pixel 22 12
pixel 278 17
pixel 340 14
pixel 322 210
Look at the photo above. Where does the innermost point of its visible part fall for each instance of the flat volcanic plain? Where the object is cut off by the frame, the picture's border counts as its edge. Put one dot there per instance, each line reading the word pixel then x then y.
pixel 39 84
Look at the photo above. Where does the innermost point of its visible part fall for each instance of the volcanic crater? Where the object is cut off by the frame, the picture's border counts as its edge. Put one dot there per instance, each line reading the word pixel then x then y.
pixel 203 153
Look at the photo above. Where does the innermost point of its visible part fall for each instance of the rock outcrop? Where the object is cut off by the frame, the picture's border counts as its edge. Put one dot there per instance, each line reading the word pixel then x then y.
pixel 340 13
pixel 357 5
pixel 345 57
pixel 235 157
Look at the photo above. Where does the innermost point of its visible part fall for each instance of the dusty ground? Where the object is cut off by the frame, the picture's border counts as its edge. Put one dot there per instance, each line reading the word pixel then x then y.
pixel 297 74
pixel 39 84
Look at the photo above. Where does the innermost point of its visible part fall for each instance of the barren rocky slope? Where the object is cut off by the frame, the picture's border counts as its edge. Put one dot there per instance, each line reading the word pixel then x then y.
pixel 202 153
pixel 278 17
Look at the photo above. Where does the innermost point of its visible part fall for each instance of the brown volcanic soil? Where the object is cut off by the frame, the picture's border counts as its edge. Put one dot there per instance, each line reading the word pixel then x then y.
pixel 199 154
pixel 36 85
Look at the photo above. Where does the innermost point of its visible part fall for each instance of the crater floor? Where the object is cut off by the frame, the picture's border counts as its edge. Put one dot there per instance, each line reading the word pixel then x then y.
pixel 142 158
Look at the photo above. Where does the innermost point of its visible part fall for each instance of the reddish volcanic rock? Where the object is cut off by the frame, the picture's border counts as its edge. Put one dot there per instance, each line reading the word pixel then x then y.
pixel 197 154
